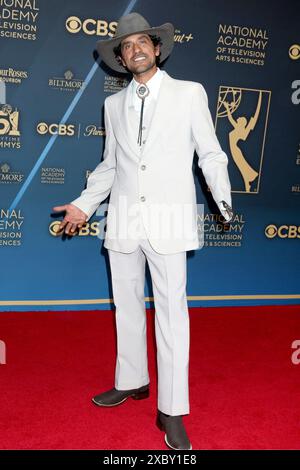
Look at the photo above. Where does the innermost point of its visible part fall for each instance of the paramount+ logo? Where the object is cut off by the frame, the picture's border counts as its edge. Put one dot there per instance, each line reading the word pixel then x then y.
pixel 282 231
pixel 90 26
pixel 53 129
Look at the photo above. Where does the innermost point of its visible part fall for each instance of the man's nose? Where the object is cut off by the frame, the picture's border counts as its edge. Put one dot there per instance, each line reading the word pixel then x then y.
pixel 136 47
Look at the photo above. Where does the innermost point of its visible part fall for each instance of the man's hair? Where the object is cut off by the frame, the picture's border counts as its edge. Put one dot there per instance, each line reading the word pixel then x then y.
pixel 155 39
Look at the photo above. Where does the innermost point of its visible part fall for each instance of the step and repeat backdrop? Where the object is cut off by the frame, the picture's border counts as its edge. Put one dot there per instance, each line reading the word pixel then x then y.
pixel 52 135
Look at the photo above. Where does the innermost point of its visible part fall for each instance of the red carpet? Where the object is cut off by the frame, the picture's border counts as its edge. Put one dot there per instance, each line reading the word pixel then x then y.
pixel 244 389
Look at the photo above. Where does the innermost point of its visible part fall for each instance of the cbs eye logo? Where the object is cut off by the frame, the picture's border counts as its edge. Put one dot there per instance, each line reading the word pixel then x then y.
pixel 284 231
pixel 55 231
pixel 271 231
pixel 90 26
pixel 54 228
pixel 73 24
pixel 294 52
pixel 53 129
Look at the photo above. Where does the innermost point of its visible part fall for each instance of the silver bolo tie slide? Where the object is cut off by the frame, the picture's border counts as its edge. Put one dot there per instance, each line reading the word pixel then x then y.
pixel 142 91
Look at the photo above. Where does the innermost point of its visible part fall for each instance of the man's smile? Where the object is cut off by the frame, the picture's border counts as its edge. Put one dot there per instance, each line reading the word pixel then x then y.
pixel 139 59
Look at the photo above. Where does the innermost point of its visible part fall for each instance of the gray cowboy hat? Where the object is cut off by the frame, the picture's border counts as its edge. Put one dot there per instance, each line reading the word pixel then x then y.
pixel 132 24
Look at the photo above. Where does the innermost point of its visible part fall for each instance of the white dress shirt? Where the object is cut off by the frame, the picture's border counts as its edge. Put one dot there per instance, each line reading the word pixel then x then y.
pixel 153 84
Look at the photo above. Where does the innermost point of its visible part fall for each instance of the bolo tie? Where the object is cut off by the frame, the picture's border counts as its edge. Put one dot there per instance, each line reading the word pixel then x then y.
pixel 142 91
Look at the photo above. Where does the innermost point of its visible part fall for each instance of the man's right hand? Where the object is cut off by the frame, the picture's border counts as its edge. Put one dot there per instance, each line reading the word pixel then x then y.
pixel 74 218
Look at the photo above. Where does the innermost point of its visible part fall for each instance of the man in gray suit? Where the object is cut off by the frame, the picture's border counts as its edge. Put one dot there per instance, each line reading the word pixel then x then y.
pixel 153 127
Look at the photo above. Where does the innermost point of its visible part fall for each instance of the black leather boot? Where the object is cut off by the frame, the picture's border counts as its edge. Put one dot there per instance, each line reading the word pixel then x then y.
pixel 176 437
pixel 115 397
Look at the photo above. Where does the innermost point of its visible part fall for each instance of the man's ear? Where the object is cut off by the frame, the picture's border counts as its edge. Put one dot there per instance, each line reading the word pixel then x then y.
pixel 120 59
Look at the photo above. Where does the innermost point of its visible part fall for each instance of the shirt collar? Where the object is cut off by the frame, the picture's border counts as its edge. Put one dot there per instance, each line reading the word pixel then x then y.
pixel 153 84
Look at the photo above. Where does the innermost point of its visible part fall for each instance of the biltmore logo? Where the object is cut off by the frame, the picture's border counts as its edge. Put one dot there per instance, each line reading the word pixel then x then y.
pixel 66 83
pixel 7 176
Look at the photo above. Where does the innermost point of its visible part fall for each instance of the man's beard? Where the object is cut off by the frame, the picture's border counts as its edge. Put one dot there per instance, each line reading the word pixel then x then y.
pixel 142 69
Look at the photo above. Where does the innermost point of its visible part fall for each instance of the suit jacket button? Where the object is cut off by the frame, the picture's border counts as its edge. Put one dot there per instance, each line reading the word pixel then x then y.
pixel 143 199
pixel 143 167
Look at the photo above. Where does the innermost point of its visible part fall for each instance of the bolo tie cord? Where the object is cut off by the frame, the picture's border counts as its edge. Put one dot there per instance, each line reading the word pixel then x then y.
pixel 141 122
